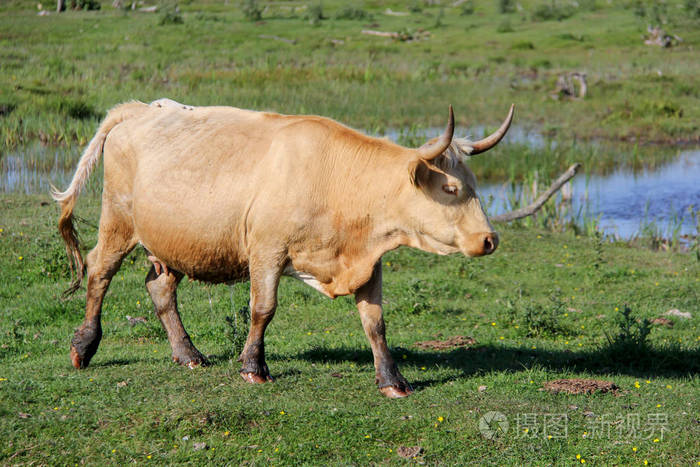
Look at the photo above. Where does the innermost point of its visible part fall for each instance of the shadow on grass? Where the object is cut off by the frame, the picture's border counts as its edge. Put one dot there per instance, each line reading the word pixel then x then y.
pixel 114 362
pixel 655 362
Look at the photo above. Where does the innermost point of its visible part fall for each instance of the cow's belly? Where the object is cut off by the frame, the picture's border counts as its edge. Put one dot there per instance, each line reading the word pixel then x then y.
pixel 204 244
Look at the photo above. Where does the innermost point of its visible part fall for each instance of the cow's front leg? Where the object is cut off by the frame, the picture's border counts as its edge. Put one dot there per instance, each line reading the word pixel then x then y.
pixel 369 303
pixel 263 302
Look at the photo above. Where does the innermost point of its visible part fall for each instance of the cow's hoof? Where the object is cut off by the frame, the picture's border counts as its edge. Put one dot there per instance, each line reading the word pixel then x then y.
pixel 255 378
pixel 77 361
pixel 84 345
pixel 393 392
pixel 191 360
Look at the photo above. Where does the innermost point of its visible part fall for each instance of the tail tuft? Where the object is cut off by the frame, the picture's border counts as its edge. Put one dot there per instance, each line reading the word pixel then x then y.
pixel 70 236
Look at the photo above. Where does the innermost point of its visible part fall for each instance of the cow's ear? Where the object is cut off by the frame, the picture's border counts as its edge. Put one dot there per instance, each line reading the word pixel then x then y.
pixel 436 146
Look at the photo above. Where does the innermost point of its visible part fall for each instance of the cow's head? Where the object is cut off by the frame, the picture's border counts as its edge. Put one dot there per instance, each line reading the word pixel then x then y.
pixel 446 210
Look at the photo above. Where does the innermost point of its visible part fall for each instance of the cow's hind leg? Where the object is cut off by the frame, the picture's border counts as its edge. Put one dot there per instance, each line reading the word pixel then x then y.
pixel 162 286
pixel 115 241
pixel 263 302
pixel 369 303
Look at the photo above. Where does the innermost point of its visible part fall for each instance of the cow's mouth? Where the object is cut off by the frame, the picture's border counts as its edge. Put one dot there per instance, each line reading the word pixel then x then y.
pixel 480 244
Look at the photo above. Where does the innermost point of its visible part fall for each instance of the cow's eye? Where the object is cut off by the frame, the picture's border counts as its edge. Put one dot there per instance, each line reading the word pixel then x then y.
pixel 450 189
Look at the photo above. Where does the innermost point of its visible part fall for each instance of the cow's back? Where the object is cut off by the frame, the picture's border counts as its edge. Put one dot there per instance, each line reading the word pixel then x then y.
pixel 189 178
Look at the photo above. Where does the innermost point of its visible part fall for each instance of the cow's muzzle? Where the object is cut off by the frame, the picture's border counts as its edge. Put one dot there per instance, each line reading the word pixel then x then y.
pixel 480 244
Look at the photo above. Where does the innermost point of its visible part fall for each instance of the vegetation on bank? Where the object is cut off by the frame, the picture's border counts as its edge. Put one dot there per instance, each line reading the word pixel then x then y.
pixel 543 307
pixel 60 73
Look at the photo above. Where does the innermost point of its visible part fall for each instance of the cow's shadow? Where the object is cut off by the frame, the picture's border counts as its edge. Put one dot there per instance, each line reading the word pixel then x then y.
pixel 488 358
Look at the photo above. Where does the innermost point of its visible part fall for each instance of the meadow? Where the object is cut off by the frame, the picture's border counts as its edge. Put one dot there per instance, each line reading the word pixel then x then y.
pixel 545 306
pixel 555 301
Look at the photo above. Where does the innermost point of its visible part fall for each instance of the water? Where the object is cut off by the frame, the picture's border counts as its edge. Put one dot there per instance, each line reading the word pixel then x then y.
pixel 32 169
pixel 623 201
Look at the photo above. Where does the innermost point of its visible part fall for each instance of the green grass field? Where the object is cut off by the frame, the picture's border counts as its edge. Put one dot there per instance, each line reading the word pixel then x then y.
pixel 545 306
pixel 60 73
pixel 539 310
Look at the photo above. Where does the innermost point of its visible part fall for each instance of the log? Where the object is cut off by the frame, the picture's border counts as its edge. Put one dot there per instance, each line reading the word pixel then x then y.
pixel 541 200
pixel 277 38
pixel 394 35
pixel 391 12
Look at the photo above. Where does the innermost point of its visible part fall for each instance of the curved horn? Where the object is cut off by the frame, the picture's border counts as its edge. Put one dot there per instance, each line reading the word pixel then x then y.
pixel 437 146
pixel 493 139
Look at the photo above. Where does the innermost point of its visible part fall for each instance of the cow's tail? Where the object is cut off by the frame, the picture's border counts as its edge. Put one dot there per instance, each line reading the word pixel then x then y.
pixel 67 199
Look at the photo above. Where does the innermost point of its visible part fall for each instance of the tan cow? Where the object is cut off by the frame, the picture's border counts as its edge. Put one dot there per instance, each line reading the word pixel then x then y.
pixel 223 195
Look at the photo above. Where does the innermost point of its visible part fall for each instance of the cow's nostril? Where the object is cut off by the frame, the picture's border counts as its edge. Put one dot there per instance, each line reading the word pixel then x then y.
pixel 489 244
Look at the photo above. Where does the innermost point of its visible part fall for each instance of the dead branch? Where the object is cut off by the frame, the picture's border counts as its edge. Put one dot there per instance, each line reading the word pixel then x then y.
pixel 541 200
pixel 567 89
pixel 278 38
pixel 657 36
pixel 391 12
pixel 404 36
pixel 370 32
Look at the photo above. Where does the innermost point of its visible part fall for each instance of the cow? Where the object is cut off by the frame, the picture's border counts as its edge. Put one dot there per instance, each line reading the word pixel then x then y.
pixel 222 195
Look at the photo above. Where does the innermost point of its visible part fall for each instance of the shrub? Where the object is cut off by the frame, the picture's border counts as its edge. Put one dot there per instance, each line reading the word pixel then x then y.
pixel 538 320
pixel 170 14
pixel 693 7
pixel 353 13
pixel 506 6
pixel 467 8
pixel 251 10
pixel 630 343
pixel 85 5
pixel 505 26
pixel 523 45
pixel 552 11
pixel 315 14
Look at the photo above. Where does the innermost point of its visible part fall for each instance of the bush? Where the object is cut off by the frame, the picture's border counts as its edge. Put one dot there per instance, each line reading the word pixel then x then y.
pixel 251 10
pixel 467 8
pixel 538 320
pixel 693 7
pixel 75 109
pixel 415 6
pixel 170 14
pixel 505 26
pixel 523 45
pixel 315 14
pixel 630 343
pixel 350 12
pixel 552 11
pixel 85 5
pixel 506 6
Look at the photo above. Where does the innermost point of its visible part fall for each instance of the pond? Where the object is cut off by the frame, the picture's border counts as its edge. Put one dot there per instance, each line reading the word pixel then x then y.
pixel 622 201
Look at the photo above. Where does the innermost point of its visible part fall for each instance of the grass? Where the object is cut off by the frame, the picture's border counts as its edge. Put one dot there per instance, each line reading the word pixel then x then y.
pixel 544 306
pixel 59 74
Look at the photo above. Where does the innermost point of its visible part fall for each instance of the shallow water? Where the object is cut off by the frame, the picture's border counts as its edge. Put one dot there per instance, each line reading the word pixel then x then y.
pixel 624 201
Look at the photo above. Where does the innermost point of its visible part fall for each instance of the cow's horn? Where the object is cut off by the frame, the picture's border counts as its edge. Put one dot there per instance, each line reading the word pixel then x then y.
pixel 493 139
pixel 437 146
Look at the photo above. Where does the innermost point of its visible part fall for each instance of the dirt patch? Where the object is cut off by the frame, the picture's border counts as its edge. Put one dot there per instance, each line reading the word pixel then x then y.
pixel 662 322
pixel 452 342
pixel 409 452
pixel 581 386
